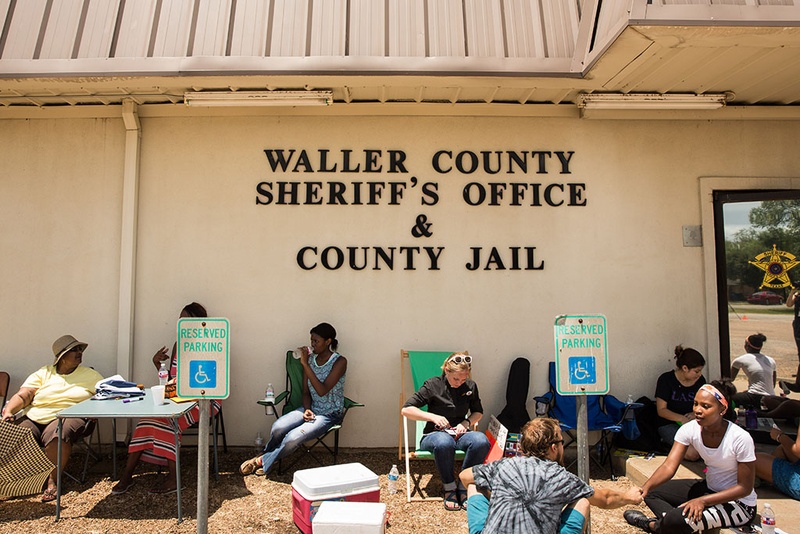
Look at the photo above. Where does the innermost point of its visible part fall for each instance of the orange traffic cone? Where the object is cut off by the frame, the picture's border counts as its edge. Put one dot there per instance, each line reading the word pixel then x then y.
pixel 744 317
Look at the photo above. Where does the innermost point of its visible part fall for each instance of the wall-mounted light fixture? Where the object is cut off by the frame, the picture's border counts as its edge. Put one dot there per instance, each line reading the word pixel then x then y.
pixel 652 101
pixel 257 98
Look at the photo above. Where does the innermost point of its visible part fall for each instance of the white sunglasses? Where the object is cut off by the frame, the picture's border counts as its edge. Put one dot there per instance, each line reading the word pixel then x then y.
pixel 461 359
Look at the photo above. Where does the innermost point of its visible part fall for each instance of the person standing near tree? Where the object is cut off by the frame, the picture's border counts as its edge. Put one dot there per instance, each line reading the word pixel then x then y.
pixel 793 301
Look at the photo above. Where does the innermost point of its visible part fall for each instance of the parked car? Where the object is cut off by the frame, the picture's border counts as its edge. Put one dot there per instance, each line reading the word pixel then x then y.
pixel 765 297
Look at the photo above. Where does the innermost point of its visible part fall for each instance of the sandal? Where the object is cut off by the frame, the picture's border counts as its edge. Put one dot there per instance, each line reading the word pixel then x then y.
pixel 249 467
pixel 119 490
pixel 451 501
pixel 49 495
pixel 462 497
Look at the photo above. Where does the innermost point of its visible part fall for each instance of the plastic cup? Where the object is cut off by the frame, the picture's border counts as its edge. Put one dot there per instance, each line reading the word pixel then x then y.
pixel 158 395
pixel 297 353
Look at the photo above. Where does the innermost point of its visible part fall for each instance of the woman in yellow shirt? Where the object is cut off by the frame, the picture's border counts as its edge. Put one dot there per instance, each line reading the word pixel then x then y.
pixel 48 391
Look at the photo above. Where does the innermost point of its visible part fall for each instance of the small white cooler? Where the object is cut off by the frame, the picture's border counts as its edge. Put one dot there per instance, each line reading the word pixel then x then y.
pixel 344 517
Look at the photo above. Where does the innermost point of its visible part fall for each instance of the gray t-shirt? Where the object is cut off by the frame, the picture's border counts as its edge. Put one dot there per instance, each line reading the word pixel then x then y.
pixel 528 494
pixel 759 369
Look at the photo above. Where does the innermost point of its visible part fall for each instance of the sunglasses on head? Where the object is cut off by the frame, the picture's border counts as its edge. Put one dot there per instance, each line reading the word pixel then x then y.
pixel 461 359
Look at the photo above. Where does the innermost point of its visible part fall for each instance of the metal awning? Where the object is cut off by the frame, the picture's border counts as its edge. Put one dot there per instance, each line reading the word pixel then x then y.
pixel 457 52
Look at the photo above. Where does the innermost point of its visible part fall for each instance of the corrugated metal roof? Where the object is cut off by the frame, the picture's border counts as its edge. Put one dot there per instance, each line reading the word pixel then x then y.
pixel 105 29
pixel 489 51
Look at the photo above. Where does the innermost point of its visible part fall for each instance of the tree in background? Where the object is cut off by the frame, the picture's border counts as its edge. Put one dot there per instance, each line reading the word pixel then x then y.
pixel 773 222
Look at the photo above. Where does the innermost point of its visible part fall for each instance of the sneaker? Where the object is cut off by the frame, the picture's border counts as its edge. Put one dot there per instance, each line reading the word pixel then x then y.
pixel 744 529
pixel 787 387
pixel 638 519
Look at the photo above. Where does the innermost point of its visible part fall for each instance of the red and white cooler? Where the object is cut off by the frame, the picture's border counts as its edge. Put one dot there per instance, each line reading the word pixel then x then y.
pixel 345 482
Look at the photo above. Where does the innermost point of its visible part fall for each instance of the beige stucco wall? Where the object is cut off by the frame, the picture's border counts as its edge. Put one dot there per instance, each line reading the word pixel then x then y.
pixel 202 237
pixel 60 201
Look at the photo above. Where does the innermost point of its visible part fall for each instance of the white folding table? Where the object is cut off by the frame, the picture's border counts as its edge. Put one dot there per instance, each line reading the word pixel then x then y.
pixel 118 408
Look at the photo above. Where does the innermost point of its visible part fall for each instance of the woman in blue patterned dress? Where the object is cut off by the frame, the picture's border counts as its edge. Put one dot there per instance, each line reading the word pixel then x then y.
pixel 323 401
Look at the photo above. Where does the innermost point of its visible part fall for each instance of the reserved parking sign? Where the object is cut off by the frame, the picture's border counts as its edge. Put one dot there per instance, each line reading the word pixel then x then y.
pixel 581 354
pixel 203 357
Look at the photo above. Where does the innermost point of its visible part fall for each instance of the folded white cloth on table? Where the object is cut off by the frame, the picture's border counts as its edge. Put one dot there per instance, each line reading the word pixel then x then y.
pixel 115 387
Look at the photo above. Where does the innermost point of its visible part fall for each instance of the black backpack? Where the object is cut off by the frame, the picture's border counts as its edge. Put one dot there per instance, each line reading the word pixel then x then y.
pixel 515 415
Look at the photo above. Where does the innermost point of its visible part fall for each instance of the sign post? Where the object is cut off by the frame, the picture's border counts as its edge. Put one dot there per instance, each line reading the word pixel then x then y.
pixel 203 374
pixel 581 369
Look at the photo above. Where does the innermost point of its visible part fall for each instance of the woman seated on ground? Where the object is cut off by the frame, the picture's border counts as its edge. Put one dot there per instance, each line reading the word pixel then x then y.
pixel 675 391
pixel 782 467
pixel 454 407
pixel 48 391
pixel 153 440
pixel 726 497
pixel 323 402
pixel 761 371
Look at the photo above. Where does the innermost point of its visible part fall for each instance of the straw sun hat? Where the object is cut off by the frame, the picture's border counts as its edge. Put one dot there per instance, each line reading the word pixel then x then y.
pixel 65 344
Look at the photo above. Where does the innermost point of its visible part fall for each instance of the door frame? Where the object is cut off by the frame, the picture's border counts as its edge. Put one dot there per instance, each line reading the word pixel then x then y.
pixel 717 348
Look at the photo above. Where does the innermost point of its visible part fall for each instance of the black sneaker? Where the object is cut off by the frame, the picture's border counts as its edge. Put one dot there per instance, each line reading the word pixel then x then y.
pixel 787 387
pixel 638 519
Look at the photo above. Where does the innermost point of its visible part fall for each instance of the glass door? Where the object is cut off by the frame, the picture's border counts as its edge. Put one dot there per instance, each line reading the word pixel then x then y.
pixel 758 261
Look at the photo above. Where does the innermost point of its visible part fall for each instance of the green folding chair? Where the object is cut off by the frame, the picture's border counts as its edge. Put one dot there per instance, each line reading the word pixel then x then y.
pixel 292 398
pixel 423 365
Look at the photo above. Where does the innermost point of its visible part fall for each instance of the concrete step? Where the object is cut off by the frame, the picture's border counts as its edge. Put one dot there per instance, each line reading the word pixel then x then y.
pixel 787 510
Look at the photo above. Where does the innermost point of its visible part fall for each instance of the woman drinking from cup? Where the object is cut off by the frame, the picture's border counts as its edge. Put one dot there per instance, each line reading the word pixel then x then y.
pixel 454 408
pixel 323 401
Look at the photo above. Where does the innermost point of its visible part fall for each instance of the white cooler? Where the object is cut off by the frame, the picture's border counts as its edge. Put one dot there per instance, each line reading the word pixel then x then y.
pixel 344 482
pixel 348 517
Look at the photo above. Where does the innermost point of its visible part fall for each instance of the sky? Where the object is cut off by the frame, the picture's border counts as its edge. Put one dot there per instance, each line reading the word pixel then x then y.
pixel 736 216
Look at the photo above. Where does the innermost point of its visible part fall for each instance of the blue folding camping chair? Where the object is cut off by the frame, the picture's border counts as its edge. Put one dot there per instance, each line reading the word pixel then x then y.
pixel 605 413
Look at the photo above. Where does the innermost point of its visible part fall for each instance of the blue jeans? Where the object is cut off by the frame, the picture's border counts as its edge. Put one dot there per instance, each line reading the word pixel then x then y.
pixel 290 431
pixel 443 446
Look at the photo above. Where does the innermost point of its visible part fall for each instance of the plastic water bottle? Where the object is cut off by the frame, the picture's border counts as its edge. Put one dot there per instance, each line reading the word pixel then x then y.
pixel 767 519
pixel 259 442
pixel 394 474
pixel 630 399
pixel 751 419
pixel 163 374
pixel 269 396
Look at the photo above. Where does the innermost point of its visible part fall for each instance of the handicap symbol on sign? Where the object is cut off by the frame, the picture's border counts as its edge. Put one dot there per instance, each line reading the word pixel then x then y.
pixel 202 374
pixel 582 370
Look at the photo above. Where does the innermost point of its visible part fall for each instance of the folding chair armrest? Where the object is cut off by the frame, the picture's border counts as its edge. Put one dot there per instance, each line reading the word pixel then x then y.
pixel 350 403
pixel 281 396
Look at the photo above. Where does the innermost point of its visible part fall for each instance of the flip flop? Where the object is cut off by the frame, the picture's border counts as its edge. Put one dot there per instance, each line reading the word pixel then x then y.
pixel 49 495
pixel 451 501
pixel 116 490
